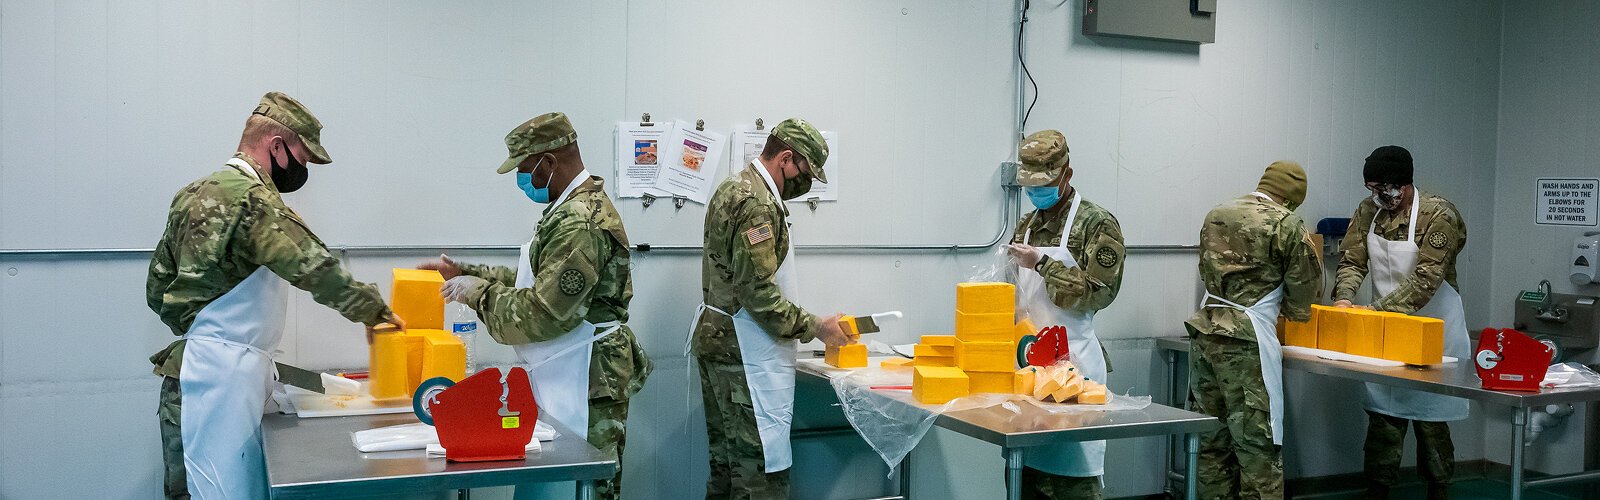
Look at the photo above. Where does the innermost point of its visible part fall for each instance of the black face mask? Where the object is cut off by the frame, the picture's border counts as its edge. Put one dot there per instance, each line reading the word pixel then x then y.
pixel 796 187
pixel 288 178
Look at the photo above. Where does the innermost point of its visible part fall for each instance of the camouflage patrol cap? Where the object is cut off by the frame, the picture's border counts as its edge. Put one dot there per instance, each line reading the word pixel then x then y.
pixel 806 140
pixel 1044 156
pixel 543 133
pixel 290 113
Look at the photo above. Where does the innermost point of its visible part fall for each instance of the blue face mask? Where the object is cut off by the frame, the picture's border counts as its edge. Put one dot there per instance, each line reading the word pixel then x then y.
pixel 1043 197
pixel 537 194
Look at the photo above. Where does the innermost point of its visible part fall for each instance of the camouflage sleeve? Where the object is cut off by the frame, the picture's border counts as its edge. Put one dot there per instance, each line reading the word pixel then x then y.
pixel 274 237
pixel 498 275
pixel 1302 274
pixel 1437 242
pixel 1353 254
pixel 1094 282
pixel 755 264
pixel 176 295
pixel 563 281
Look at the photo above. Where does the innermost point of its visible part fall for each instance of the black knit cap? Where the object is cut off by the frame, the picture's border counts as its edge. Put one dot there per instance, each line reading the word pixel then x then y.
pixel 1388 165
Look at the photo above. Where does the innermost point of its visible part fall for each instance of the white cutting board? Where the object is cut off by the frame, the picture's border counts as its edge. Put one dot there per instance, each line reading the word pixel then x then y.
pixel 309 404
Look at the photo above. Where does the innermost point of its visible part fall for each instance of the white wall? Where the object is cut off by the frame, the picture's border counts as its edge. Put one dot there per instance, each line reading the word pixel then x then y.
pixel 105 109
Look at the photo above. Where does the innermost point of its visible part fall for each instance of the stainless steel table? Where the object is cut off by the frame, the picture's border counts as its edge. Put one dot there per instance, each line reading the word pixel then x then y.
pixel 1015 432
pixel 314 458
pixel 1458 379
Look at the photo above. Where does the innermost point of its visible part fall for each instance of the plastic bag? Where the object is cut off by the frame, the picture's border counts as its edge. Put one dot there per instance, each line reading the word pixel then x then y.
pixel 1570 375
pixel 998 267
pixel 418 436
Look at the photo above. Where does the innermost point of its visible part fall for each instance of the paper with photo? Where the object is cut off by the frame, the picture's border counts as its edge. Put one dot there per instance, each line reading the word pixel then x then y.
pixel 690 163
pixel 639 160
pixel 747 144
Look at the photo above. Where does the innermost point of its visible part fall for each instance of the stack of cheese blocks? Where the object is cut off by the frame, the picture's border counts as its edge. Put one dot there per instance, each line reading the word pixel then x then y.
pixel 849 356
pixel 980 357
pixel 400 361
pixel 1412 340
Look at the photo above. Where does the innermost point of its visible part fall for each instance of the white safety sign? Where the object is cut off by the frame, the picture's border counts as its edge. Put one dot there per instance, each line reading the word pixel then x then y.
pixel 1567 202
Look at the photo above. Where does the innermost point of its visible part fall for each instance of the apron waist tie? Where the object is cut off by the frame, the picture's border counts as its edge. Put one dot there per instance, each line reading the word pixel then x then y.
pixel 236 343
pixel 610 328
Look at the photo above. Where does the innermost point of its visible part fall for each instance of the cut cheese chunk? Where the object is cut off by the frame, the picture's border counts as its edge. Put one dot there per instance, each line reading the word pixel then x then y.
pixel 986 356
pixel 388 371
pixel 849 356
pixel 1364 333
pixel 1024 328
pixel 1048 382
pixel 935 361
pixel 994 382
pixel 946 351
pixel 986 298
pixel 939 340
pixel 415 297
pixel 443 355
pixel 1068 390
pixel 1093 395
pixel 1413 340
pixel 848 325
pixel 984 327
pixel 932 385
pixel 1022 380
pixel 895 363
pixel 1331 323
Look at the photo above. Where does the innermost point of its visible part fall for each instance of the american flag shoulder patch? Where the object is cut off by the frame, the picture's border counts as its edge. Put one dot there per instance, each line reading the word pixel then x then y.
pixel 758 234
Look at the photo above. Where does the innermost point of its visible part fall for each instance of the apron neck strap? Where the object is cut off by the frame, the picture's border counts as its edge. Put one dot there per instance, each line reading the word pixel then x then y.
pixel 1066 227
pixel 1411 227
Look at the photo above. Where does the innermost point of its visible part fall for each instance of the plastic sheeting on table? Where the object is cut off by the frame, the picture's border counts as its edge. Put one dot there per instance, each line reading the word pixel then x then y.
pixel 1570 375
pixel 892 423
pixel 418 436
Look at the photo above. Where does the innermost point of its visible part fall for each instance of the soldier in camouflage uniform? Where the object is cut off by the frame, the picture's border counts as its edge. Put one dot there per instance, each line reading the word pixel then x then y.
pixel 747 242
pixel 1094 239
pixel 1249 247
pixel 580 273
pixel 1440 234
pixel 227 225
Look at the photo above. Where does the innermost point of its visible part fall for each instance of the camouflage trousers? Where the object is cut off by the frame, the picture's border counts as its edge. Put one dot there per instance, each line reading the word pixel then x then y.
pixel 608 431
pixel 737 463
pixel 1386 435
pixel 1037 484
pixel 1239 460
pixel 169 411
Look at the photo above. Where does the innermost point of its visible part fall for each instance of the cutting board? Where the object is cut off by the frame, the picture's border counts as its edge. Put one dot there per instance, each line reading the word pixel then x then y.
pixel 309 404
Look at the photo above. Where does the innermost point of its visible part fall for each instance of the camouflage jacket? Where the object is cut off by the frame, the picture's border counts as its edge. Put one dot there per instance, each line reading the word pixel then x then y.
pixel 1095 241
pixel 1441 234
pixel 1248 247
pixel 746 240
pixel 579 259
pixel 223 227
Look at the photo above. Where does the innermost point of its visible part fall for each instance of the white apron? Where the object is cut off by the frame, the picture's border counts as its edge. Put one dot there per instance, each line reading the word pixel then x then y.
pixel 1264 320
pixel 1390 263
pixel 225 379
pixel 1081 459
pixel 559 368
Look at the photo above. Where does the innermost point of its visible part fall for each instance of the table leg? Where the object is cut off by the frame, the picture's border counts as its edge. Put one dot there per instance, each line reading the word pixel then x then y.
pixel 1191 477
pixel 905 477
pixel 464 494
pixel 1172 441
pixel 1013 473
pixel 1519 420
pixel 586 490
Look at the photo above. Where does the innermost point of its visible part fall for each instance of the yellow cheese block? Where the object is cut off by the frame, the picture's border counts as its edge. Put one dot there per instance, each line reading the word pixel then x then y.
pixel 389 372
pixel 1048 382
pixel 995 382
pixel 1024 328
pixel 1331 321
pixel 1413 339
pixel 1068 390
pixel 1302 334
pixel 947 351
pixel 986 298
pixel 986 356
pixel 938 385
pixel 849 356
pixel 1093 395
pixel 895 363
pixel 1364 331
pixel 400 361
pixel 984 327
pixel 443 355
pixel 1022 380
pixel 849 326
pixel 935 361
pixel 939 340
pixel 415 298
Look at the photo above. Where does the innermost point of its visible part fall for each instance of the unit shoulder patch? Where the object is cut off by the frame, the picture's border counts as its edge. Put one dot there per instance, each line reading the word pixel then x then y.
pixel 1106 257
pixel 1436 239
pixel 572 282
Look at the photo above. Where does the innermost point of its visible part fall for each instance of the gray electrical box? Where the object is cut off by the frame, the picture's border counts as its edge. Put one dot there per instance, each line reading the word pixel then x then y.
pixel 1188 21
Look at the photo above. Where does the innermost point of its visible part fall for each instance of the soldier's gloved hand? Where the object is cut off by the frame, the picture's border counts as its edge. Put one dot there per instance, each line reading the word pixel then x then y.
pixel 464 289
pixel 829 332
pixel 446 266
pixel 1026 256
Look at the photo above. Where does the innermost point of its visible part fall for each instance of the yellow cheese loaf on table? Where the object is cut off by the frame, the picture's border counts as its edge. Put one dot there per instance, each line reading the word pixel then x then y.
pixel 1301 334
pixel 986 298
pixel 991 382
pixel 984 327
pixel 986 356
pixel 1094 394
pixel 1022 380
pixel 1364 333
pixel 1413 340
pixel 847 356
pixel 388 371
pixel 938 385
pixel 895 363
pixel 443 355
pixel 414 296
pixel 1331 332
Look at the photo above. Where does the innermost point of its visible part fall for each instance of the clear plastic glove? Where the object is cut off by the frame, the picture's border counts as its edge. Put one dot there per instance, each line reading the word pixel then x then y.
pixel 1026 256
pixel 829 333
pixel 446 266
pixel 463 288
